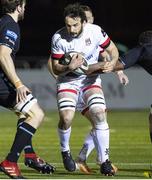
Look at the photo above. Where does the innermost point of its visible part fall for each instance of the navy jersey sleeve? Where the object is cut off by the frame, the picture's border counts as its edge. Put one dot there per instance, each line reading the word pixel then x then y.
pixel 132 57
pixel 10 36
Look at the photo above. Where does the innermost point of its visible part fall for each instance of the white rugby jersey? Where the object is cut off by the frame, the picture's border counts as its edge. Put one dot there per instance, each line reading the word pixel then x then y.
pixel 87 43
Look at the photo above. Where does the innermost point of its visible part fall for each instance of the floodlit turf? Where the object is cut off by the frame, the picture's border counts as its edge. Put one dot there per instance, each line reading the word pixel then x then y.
pixel 130 147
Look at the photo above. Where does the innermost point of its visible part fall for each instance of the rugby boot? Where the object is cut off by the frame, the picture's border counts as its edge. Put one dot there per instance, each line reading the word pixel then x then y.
pixel 82 166
pixel 113 166
pixel 32 161
pixel 11 169
pixel 69 163
pixel 107 169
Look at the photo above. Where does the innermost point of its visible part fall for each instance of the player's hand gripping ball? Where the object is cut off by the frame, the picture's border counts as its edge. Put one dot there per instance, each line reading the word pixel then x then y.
pixel 67 59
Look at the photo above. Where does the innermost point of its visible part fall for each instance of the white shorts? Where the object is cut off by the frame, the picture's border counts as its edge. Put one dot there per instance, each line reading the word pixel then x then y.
pixel 80 103
pixel 24 106
pixel 76 89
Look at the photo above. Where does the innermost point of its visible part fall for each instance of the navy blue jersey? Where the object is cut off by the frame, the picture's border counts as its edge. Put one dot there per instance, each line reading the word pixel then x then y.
pixel 9 34
pixel 10 37
pixel 141 55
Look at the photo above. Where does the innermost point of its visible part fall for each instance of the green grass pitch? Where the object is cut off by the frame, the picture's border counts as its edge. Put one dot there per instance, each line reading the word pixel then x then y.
pixel 130 146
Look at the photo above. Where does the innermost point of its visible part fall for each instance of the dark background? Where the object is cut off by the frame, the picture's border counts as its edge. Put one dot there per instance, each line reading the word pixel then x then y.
pixel 123 20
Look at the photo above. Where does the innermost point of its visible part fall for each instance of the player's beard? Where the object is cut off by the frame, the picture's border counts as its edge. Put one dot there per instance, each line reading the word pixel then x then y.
pixel 75 35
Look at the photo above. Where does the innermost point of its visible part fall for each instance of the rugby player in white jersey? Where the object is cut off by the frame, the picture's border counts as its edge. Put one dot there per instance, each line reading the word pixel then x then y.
pixel 83 38
pixel 88 145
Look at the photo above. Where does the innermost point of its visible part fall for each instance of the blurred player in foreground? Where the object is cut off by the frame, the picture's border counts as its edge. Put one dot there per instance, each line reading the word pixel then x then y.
pixel 84 38
pixel 14 94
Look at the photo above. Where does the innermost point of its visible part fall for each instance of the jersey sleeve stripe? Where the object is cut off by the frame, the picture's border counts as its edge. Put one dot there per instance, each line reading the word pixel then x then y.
pixel 106 43
pixel 57 56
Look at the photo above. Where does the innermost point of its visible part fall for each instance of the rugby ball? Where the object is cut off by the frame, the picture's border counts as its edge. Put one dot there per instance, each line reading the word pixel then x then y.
pixel 67 59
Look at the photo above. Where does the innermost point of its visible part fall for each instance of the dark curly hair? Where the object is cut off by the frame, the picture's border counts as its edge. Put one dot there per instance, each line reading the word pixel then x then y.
pixel 86 8
pixel 75 10
pixel 9 6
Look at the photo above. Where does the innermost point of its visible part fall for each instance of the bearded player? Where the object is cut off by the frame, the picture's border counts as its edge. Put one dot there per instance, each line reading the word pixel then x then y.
pixel 82 38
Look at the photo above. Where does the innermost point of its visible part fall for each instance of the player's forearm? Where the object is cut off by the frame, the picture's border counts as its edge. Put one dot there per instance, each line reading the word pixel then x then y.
pixel 8 67
pixel 98 68
pixel 51 69
pixel 114 55
pixel 56 68
pixel 95 68
pixel 119 66
pixel 113 52
pixel 119 72
pixel 59 69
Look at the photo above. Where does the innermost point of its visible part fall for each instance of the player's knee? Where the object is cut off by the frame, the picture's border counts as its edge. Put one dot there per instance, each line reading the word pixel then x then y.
pixel 36 113
pixel 66 118
pixel 64 125
pixel 97 108
pixel 98 115
pixel 39 114
pixel 35 116
pixel 65 121
pixel 67 108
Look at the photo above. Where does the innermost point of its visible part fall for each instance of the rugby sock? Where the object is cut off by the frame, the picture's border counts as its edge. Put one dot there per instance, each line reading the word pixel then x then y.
pixel 23 135
pixel 28 148
pixel 20 121
pixel 88 146
pixel 101 141
pixel 64 136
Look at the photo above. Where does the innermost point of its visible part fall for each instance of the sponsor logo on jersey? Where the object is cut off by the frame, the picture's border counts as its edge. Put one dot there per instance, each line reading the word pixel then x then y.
pixel 11 41
pixel 11 34
pixel 89 57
